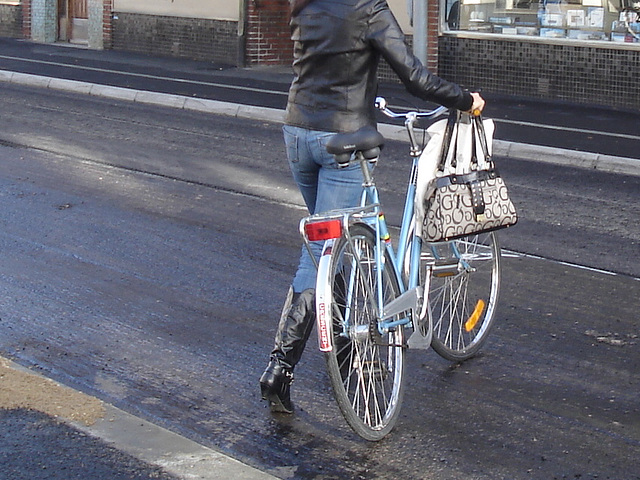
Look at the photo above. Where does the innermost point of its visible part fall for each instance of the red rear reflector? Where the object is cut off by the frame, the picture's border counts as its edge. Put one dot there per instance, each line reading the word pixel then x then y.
pixel 324 230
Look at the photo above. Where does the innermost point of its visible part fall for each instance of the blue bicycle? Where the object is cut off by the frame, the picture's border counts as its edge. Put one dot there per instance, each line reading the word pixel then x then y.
pixel 369 292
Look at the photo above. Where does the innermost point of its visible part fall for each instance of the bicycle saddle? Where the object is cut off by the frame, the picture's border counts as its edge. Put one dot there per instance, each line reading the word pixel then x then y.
pixel 366 140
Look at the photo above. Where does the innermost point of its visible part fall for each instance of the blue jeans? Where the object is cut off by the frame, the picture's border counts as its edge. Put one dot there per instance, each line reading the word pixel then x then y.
pixel 323 185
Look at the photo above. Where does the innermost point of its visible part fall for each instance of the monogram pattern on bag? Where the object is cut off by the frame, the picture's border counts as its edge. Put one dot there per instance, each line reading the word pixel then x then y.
pixel 450 211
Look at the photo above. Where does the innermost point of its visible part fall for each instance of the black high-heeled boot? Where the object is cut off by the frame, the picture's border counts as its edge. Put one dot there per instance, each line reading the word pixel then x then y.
pixel 275 386
pixel 296 324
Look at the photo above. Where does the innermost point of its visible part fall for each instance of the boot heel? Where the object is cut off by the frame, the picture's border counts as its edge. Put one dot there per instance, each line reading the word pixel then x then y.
pixel 276 405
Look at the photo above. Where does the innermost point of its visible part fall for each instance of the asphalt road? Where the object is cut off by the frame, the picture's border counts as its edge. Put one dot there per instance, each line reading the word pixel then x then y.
pixel 146 252
pixel 558 124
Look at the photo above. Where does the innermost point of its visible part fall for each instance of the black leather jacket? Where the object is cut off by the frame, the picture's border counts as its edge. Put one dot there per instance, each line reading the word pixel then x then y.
pixel 337 48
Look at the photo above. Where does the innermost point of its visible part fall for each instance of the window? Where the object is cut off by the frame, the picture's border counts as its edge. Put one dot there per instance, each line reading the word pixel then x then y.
pixel 590 20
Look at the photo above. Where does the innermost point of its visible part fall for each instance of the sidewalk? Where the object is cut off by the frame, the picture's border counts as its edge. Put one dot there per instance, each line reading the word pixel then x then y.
pixel 560 133
pixel 49 431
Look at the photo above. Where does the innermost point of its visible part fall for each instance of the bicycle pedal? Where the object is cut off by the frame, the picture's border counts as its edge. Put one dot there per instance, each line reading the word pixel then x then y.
pixel 445 268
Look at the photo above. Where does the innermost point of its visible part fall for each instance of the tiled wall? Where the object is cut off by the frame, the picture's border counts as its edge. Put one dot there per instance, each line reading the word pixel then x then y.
pixel 195 38
pixel 11 21
pixel 579 74
pixel 385 73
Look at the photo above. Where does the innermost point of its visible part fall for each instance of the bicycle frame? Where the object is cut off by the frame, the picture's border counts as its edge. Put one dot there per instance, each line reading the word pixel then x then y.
pixel 330 226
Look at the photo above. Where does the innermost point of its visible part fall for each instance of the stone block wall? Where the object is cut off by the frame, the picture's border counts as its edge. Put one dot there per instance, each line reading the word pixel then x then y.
pixel 99 24
pixel 44 20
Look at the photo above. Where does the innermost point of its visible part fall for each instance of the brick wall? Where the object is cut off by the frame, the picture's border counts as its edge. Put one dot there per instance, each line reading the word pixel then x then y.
pixel 194 38
pixel 26 18
pixel 433 12
pixel 268 37
pixel 11 21
pixel 107 29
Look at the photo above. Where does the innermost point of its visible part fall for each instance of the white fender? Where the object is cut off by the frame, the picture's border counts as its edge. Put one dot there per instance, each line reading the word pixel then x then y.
pixel 324 298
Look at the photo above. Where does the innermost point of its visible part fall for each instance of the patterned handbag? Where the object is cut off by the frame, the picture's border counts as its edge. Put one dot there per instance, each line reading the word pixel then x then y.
pixel 468 203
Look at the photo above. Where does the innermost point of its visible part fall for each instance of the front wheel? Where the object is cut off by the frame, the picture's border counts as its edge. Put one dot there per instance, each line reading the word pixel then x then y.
pixel 463 295
pixel 365 366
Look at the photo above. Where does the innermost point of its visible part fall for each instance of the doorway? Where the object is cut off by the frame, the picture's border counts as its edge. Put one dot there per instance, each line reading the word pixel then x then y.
pixel 73 21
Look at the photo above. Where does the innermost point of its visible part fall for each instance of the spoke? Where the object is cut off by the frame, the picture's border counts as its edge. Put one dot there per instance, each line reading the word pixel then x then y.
pixel 369 373
pixel 453 300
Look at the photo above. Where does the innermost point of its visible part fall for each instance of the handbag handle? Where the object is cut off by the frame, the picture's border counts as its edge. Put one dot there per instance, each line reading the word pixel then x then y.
pixel 474 154
pixel 446 140
pixel 482 136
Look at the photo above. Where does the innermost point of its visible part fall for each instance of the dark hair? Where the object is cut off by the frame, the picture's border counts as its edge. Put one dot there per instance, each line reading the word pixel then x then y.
pixel 298 5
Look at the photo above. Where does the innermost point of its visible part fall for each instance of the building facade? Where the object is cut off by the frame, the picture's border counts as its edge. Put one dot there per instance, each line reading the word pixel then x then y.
pixel 582 51
pixel 235 32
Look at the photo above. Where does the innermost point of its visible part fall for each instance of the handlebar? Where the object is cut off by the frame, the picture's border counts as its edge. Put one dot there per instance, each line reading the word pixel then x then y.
pixel 410 119
pixel 383 106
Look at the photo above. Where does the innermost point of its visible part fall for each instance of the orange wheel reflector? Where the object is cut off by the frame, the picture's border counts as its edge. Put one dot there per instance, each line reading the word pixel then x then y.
pixel 323 230
pixel 475 316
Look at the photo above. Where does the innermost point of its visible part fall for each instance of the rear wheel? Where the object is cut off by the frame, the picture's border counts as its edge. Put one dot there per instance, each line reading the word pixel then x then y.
pixel 366 367
pixel 463 295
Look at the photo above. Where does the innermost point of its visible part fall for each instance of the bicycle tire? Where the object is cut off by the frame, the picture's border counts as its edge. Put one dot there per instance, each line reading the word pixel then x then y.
pixel 462 303
pixel 366 369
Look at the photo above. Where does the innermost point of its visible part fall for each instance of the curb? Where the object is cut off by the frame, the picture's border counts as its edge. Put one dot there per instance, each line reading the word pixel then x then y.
pixel 573 158
pixel 174 453
pixel 501 148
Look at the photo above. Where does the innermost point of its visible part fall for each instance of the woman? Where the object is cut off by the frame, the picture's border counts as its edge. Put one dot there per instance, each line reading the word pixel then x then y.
pixel 337 48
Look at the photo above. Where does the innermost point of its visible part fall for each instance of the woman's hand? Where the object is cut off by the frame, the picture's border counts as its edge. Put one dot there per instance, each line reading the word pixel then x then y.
pixel 478 104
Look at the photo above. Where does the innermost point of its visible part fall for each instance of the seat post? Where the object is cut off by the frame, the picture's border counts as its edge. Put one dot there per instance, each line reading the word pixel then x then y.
pixel 366 171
